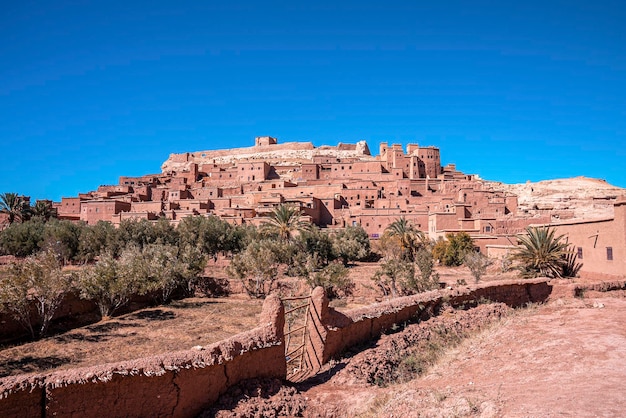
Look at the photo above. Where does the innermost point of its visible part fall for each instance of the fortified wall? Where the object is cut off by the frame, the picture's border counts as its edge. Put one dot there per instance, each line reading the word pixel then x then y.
pixel 266 149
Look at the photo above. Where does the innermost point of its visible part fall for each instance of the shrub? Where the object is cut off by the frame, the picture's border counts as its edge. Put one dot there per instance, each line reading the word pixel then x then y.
pixel 394 275
pixel 111 282
pixel 334 279
pixel 36 282
pixel 22 239
pixel 451 252
pixel 541 252
pixel 256 267
pixel 477 263
pixel 351 244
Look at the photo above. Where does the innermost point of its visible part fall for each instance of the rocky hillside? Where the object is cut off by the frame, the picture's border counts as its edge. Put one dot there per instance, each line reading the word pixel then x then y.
pixel 578 197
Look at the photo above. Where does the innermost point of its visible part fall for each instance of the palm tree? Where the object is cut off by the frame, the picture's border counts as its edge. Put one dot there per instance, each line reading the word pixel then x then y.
pixel 284 221
pixel 43 209
pixel 14 205
pixel 411 238
pixel 541 253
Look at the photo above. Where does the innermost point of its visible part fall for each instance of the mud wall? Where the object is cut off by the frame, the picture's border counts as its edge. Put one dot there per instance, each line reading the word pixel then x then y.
pixel 179 384
pixel 332 332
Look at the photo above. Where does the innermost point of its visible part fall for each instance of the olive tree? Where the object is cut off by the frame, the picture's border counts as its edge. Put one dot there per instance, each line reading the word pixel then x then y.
pixel 111 282
pixel 351 244
pixel 31 291
pixel 477 264
pixel 257 267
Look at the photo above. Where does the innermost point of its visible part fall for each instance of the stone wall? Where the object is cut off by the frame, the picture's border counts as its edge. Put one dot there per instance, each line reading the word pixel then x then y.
pixel 179 384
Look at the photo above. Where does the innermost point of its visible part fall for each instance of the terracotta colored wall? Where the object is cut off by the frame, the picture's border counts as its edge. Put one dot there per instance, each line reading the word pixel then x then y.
pixel 332 332
pixel 179 384
pixel 593 237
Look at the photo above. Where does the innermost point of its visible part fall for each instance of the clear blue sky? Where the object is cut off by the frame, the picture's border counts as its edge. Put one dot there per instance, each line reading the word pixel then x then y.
pixel 90 91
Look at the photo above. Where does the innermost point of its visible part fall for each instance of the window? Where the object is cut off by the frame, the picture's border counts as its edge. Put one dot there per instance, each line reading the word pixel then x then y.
pixel 609 253
pixel 488 228
pixel 580 252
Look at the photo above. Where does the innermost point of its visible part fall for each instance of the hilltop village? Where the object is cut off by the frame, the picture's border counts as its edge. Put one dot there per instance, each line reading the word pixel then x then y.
pixel 337 186
pixel 334 186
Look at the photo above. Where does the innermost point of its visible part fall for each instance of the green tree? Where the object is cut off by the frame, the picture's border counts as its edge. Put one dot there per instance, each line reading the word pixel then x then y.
pixel 133 232
pixel 256 267
pixel 63 238
pixel 393 275
pixel 451 252
pixel 161 268
pixel 334 278
pixel 350 244
pixel 95 239
pixel 411 239
pixel 210 234
pixel 111 282
pixel 316 242
pixel 15 206
pixel 32 291
pixel 22 239
pixel 193 263
pixel 43 209
pixel 428 278
pixel 164 232
pixel 541 253
pixel 285 221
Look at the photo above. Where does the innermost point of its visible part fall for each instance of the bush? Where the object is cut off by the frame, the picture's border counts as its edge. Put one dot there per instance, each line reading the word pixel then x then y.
pixel 22 239
pixel 334 279
pixel 111 282
pixel 36 282
pixel 351 244
pixel 257 267
pixel 541 253
pixel 451 251
pixel 477 263
pixel 394 275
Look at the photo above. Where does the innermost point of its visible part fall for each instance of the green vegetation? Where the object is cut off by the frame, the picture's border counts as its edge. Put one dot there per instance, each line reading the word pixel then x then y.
pixel 410 238
pixel 31 291
pixel 451 251
pixel 477 263
pixel 350 244
pixel 141 257
pixel 408 263
pixel 15 206
pixel 284 222
pixel 541 253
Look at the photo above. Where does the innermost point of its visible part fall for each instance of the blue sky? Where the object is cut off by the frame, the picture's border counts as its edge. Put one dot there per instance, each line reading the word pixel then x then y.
pixel 90 91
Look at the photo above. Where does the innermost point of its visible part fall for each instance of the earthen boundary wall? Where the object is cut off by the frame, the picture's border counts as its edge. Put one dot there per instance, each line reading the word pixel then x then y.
pixel 178 384
pixel 331 332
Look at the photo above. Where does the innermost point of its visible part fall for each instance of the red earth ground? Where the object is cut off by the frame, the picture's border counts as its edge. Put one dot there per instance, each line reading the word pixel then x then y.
pixel 565 358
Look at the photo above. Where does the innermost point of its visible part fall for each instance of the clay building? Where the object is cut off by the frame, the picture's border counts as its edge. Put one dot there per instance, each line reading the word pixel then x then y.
pixel 336 187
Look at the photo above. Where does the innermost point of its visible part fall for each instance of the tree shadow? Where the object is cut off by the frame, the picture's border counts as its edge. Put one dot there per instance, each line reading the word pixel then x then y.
pixel 184 304
pixel 151 315
pixel 31 364
pixel 110 326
